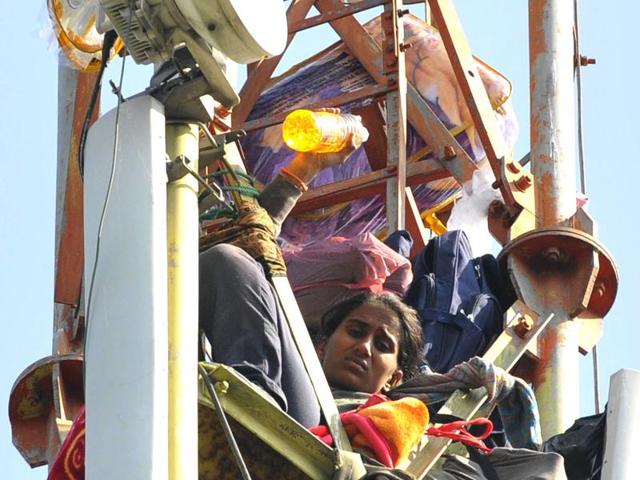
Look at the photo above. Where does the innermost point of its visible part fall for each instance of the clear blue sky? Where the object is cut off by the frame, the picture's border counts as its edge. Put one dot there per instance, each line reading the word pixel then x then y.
pixel 497 31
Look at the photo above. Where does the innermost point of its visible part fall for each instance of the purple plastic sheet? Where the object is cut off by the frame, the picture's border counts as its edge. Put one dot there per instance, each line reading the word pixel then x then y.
pixel 335 72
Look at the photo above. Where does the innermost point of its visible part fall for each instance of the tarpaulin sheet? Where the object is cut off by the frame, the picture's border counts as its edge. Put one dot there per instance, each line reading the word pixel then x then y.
pixel 326 273
pixel 335 72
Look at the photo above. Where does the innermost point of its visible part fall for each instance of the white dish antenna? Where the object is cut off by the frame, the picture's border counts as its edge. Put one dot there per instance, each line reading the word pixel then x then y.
pixel 214 31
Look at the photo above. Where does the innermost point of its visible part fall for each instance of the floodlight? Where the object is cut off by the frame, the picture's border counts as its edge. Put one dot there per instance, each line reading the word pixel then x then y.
pixel 243 31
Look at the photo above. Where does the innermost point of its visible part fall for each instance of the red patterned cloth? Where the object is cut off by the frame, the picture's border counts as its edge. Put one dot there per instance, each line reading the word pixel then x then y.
pixel 69 464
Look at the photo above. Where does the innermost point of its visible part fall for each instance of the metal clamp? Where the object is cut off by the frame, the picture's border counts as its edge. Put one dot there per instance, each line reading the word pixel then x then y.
pixel 179 167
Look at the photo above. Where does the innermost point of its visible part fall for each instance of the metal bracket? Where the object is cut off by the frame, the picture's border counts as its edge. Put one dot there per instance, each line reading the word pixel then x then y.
pixel 561 269
pixel 217 150
pixel 182 88
pixel 256 411
pixel 179 167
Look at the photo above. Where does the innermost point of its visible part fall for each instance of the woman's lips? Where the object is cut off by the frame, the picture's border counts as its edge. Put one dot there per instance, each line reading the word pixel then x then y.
pixel 356 364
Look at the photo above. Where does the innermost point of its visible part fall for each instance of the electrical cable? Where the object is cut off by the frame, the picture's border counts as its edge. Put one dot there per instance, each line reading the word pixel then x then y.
pixel 109 41
pixel 583 178
pixel 108 193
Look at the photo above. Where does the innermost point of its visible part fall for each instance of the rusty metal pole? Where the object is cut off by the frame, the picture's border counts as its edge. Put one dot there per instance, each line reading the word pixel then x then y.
pixel 395 70
pixel 551 57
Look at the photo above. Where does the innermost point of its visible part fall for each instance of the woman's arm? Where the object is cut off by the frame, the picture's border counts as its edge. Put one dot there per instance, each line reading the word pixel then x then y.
pixel 280 196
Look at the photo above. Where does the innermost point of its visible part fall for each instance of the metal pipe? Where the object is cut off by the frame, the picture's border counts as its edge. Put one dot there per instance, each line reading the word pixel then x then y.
pixel 182 245
pixel 552 109
pixel 578 70
pixel 551 57
pixel 395 69
pixel 596 379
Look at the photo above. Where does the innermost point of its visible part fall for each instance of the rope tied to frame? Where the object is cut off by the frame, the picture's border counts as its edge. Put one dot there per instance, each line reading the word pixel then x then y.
pixel 457 431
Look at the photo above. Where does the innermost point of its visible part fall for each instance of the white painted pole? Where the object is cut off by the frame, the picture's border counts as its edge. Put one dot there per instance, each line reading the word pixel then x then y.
pixel 621 461
pixel 127 332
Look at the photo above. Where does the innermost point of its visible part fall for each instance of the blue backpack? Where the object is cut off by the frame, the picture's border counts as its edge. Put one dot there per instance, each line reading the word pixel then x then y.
pixel 460 299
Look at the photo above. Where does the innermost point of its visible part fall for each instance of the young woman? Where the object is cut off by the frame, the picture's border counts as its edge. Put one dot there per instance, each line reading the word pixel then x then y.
pixel 368 343
pixel 240 315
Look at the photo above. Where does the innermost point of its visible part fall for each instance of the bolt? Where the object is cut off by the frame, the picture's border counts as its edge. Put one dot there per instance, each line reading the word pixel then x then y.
pixel 403 12
pixel 405 46
pixel 524 326
pixel 222 112
pixel 496 209
pixel 496 185
pixel 449 152
pixel 513 167
pixel 600 289
pixel 222 387
pixel 552 254
pixel 523 183
pixel 584 61
pixel 34 399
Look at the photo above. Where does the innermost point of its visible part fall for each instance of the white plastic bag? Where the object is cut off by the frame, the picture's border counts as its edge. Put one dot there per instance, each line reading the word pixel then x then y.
pixel 470 213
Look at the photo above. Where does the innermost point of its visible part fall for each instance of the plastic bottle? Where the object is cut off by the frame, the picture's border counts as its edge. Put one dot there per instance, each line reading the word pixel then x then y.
pixel 322 132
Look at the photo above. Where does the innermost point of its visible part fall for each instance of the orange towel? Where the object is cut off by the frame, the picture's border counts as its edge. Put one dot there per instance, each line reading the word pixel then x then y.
pixel 387 430
pixel 402 423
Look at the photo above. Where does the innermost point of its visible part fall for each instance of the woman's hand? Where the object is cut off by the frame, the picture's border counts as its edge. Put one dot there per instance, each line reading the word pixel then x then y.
pixel 307 165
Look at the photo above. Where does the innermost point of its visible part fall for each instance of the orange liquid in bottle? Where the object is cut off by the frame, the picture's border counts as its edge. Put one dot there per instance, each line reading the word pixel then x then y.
pixel 321 132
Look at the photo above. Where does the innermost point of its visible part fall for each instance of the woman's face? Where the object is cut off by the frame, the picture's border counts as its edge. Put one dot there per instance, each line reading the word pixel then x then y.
pixel 362 353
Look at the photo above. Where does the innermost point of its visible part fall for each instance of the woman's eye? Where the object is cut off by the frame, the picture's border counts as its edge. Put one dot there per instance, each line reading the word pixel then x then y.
pixel 385 346
pixel 355 332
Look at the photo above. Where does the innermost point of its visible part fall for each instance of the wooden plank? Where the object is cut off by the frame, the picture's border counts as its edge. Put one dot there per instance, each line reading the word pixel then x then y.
pixel 361 45
pixel 466 71
pixel 373 120
pixel 414 224
pixel 373 183
pixel 371 91
pixel 342 10
pixel 426 123
pixel 261 74
pixel 69 217
pixel 435 134
pixel 394 68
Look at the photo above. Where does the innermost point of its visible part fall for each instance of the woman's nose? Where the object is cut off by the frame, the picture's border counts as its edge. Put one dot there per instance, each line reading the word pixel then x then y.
pixel 363 347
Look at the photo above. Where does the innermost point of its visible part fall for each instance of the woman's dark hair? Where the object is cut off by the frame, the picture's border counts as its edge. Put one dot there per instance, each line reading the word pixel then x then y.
pixel 411 330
